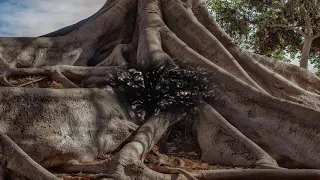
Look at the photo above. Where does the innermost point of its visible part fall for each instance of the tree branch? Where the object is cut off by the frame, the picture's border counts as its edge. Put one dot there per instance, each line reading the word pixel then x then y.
pixel 307 20
pixel 315 36
pixel 294 28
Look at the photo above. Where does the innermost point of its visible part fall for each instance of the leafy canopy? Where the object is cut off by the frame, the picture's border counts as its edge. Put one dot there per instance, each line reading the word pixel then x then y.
pixel 262 26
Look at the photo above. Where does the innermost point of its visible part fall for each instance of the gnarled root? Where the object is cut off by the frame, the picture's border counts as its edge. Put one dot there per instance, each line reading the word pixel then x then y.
pixel 221 143
pixel 261 174
pixel 16 160
pixel 170 170
pixel 118 56
pixel 67 75
pixel 146 137
pixel 251 103
pixel 162 159
pixel 127 163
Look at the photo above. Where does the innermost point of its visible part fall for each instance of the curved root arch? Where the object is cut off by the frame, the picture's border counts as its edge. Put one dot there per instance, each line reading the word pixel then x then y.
pixel 257 112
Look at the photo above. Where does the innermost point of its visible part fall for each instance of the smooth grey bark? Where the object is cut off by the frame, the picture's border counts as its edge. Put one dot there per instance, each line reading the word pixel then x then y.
pixel 223 144
pixel 71 124
pixel 267 113
pixel 305 52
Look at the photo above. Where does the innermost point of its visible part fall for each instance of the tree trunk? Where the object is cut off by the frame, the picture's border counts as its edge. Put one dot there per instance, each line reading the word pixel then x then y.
pixel 172 60
pixel 305 52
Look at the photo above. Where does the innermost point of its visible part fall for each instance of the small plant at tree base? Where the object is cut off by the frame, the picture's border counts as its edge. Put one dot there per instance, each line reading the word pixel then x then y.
pixel 152 90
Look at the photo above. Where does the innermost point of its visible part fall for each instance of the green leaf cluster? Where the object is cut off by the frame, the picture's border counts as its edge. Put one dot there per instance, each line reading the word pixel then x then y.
pixel 260 25
pixel 160 88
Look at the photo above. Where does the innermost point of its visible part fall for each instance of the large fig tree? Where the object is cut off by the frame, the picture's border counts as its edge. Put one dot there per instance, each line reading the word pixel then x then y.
pixel 131 72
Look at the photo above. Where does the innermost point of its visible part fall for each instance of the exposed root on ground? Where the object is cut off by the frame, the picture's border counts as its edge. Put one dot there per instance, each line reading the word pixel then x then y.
pixel 176 64
pixel 170 170
pixel 17 160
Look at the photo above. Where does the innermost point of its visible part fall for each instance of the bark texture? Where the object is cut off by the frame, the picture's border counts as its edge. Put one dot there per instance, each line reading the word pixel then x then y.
pixel 259 112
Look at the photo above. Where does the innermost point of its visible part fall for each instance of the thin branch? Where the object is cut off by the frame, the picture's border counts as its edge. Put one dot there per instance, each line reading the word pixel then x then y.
pixel 32 82
pixel 307 20
pixel 280 25
pixel 294 28
pixel 315 36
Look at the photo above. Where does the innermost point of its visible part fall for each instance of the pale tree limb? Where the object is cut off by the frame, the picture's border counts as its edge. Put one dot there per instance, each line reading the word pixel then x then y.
pixel 37 52
pixel 307 39
pixel 7 83
pixel 253 174
pixel 67 74
pixel 307 44
pixel 299 76
pixel 117 57
pixel 59 77
pixel 243 102
pixel 145 138
pixel 221 143
pixel 149 52
pixel 235 96
pixel 307 19
pixel 109 24
pixel 202 41
pixel 88 168
pixel 162 158
pixel 18 161
pixel 171 170
pixel 133 153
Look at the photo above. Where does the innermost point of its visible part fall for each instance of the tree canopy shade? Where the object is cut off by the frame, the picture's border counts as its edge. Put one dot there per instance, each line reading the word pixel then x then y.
pixel 273 28
pixel 137 69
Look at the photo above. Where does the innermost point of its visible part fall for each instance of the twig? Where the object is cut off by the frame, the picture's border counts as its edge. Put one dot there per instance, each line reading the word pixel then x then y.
pixel 31 82
pixel 171 170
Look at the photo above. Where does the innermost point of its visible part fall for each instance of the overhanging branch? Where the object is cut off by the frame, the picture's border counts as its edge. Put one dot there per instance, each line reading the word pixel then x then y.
pixel 288 27
pixel 294 28
pixel 315 36
pixel 307 20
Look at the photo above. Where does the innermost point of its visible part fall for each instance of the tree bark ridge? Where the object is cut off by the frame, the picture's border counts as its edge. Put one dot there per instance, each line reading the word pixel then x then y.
pixel 255 113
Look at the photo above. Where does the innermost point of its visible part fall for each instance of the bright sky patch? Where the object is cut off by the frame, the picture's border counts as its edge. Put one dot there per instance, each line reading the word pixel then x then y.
pixel 38 17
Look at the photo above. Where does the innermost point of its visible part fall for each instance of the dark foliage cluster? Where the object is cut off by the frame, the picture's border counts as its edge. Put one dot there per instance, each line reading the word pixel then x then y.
pixel 152 90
